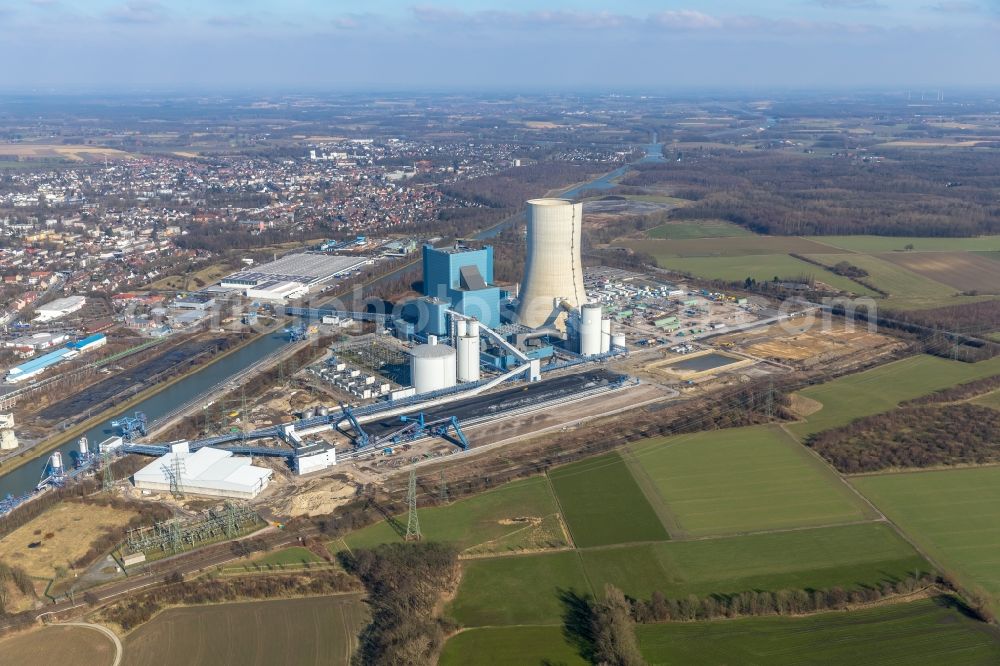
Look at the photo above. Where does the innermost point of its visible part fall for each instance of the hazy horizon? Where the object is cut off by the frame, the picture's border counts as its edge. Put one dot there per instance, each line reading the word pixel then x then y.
pixel 223 45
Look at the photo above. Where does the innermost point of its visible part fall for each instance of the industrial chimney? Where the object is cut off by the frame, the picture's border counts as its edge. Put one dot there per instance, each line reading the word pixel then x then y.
pixel 553 269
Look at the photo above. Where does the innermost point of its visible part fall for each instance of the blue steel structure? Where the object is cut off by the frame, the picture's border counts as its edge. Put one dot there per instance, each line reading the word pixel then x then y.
pixel 130 427
pixel 356 432
pixel 464 278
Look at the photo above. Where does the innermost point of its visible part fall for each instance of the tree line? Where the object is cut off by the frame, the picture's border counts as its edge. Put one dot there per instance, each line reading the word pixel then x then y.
pixel 137 609
pixel 405 584
pixel 757 603
pixel 16 577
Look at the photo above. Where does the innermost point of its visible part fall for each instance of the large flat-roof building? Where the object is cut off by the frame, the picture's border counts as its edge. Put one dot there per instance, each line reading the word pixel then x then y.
pixel 59 308
pixel 37 366
pixel 207 471
pixel 292 275
pixel 463 277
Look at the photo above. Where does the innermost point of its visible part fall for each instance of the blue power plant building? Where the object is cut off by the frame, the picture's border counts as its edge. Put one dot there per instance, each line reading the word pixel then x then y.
pixel 459 279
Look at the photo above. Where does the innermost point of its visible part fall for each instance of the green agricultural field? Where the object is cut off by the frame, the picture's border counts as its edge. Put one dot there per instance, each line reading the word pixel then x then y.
pixel 922 632
pixel 763 268
pixel 952 514
pixel 744 480
pixel 751 245
pixel 517 590
pixel 317 630
pixel 518 516
pixel 511 646
pixel 882 388
pixel 602 503
pixel 698 229
pixel 876 244
pixel 905 288
pixel 821 558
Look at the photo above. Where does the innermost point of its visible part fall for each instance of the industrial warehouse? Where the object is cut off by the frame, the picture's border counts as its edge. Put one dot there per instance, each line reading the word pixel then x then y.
pixel 208 471
pixel 291 276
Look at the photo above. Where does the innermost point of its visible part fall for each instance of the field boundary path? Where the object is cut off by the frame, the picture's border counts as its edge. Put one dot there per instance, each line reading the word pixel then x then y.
pixel 119 651
pixel 653 496
pixel 918 547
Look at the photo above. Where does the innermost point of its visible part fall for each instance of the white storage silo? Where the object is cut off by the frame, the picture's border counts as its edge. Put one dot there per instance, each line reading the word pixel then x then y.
pixel 468 351
pixel 605 336
pixel 618 340
pixel 590 329
pixel 432 367
pixel 84 446
pixel 553 269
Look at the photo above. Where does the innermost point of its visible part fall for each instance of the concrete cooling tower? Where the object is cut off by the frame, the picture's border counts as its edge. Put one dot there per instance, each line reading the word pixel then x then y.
pixel 553 270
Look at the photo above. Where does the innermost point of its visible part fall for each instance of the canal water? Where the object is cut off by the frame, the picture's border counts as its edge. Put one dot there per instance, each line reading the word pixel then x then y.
pixel 24 478
pixel 704 362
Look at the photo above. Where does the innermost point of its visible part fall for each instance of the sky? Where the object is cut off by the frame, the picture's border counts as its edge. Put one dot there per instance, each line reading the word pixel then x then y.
pixel 510 45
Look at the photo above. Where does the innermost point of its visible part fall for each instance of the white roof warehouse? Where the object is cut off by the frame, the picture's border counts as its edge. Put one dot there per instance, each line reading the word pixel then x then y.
pixel 207 471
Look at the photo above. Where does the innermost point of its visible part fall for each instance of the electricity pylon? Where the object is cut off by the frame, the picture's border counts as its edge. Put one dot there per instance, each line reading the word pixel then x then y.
pixel 412 522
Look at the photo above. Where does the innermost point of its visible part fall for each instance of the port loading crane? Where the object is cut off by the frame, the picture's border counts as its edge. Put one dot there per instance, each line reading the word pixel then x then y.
pixel 130 427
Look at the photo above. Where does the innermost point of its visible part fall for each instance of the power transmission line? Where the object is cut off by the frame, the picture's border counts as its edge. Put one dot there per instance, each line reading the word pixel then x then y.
pixel 412 522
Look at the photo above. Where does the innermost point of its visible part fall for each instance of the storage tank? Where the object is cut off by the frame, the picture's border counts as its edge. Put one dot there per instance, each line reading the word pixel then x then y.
pixel 468 351
pixel 432 367
pixel 55 463
pixel 553 269
pixel 618 340
pixel 605 336
pixel 590 329
pixel 84 447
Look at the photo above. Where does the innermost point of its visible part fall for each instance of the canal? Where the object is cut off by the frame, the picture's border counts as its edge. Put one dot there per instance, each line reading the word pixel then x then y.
pixel 25 477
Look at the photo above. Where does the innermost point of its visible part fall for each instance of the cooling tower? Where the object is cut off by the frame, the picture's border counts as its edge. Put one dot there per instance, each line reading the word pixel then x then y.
pixel 553 270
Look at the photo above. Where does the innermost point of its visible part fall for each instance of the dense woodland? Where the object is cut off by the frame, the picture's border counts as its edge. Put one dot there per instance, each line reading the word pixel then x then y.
pixel 405 584
pixel 952 434
pixel 913 193
pixel 969 318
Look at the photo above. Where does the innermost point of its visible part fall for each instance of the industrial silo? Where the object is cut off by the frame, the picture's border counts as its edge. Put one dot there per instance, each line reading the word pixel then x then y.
pixel 590 329
pixel 605 336
pixel 432 367
pixel 468 351
pixel 553 269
